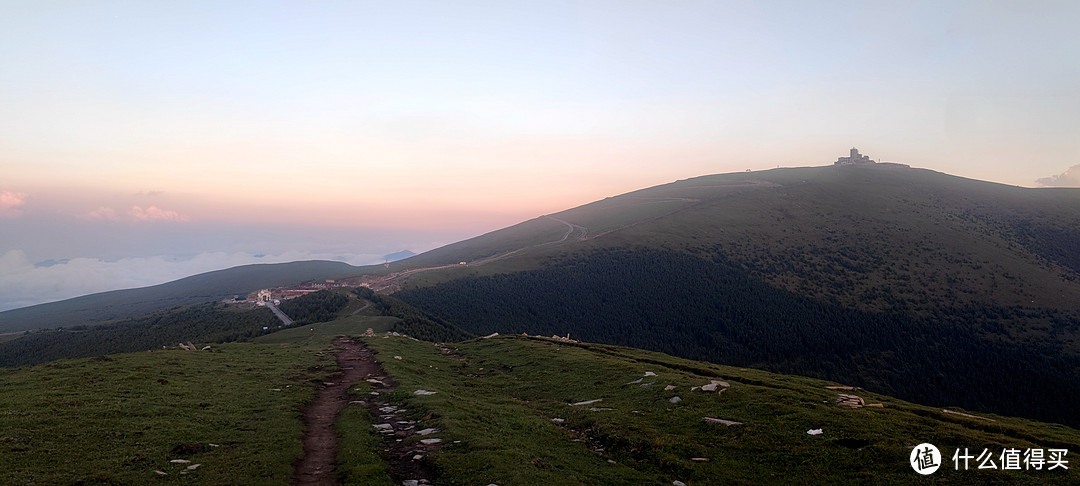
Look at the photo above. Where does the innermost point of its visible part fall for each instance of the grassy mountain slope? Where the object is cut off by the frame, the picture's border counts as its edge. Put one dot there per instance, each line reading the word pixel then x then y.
pixel 121 304
pixel 235 411
pixel 903 280
pixel 499 397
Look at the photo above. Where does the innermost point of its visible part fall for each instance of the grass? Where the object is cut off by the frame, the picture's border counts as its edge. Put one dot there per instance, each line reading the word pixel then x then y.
pixel 236 410
pixel 118 419
pixel 498 398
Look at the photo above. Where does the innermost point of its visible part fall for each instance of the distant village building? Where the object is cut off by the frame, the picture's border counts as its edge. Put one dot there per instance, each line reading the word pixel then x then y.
pixel 854 159
pixel 264 295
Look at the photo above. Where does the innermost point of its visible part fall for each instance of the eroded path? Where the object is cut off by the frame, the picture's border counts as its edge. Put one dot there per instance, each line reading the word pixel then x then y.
pixel 357 364
pixel 320 441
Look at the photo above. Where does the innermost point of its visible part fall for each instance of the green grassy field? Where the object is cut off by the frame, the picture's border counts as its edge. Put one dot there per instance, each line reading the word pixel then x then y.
pixel 235 412
pixel 499 398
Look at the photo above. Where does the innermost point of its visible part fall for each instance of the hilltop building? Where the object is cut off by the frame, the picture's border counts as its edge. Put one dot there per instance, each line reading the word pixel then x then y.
pixel 854 159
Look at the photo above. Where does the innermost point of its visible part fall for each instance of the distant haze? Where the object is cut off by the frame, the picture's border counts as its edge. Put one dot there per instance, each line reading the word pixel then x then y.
pixel 144 141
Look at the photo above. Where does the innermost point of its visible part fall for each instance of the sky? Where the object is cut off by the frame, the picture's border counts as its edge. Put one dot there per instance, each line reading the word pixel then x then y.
pixel 142 142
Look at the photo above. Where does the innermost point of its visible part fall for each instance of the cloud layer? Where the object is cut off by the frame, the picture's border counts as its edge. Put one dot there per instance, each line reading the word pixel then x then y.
pixel 136 213
pixel 25 283
pixel 1070 178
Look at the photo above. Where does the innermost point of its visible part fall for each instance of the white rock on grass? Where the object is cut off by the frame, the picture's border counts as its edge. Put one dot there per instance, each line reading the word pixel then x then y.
pixel 410 482
pixel 587 402
pixel 649 373
pixel 180 461
pixel 669 387
pixel 678 483
pixel 427 431
pixel 675 399
pixel 424 392
pixel 430 441
pixel 815 431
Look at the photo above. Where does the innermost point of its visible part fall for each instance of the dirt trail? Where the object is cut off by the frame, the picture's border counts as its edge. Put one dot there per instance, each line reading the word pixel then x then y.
pixel 319 464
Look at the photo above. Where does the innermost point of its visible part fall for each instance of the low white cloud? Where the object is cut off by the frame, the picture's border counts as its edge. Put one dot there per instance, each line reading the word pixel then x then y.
pixel 25 283
pixel 1070 178
pixel 153 213
pixel 10 202
pixel 136 213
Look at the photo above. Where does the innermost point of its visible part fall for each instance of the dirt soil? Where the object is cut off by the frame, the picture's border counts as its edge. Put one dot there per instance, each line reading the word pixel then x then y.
pixel 319 464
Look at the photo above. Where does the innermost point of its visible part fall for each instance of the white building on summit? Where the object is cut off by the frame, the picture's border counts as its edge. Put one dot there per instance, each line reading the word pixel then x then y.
pixel 854 159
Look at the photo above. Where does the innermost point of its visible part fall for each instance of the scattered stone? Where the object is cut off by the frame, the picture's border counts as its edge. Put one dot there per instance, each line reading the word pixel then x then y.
pixel 840 388
pixel 815 432
pixel 611 461
pixel 205 348
pixel 374 393
pixel 558 420
pixel 595 409
pixel 410 482
pixel 728 423
pixel 373 380
pixel 275 389
pixel 180 461
pixel 968 415
pixel 193 467
pixel 214 445
pixel 424 392
pixel 383 426
pixel 699 459
pixel 635 381
pixel 675 399
pixel 587 402
pixel 489 336
pixel 669 387
pixel 649 373
pixel 878 405
pixel 850 401
pixel 161 473
pixel 369 333
pixel 427 431
pixel 678 483
pixel 430 441
pixel 397 357
pixel 417 457
pixel 388 409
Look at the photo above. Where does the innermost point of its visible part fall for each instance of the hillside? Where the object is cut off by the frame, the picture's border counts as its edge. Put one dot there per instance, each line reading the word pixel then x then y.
pixel 205 287
pixel 881 277
pixel 502 412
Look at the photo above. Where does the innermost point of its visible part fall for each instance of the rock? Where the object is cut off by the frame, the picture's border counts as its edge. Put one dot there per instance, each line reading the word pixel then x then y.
pixel 430 441
pixel 161 473
pixel 180 461
pixel 669 387
pixel 383 426
pixel 427 431
pixel 558 420
pixel 193 467
pixel 417 457
pixel 489 336
pixel 635 381
pixel 587 402
pixel 699 459
pixel 678 483
pixel 815 431
pixel 388 409
pixel 675 399
pixel 649 373
pixel 594 409
pixel 728 423
pixel 424 392
pixel 397 357
pixel 410 482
